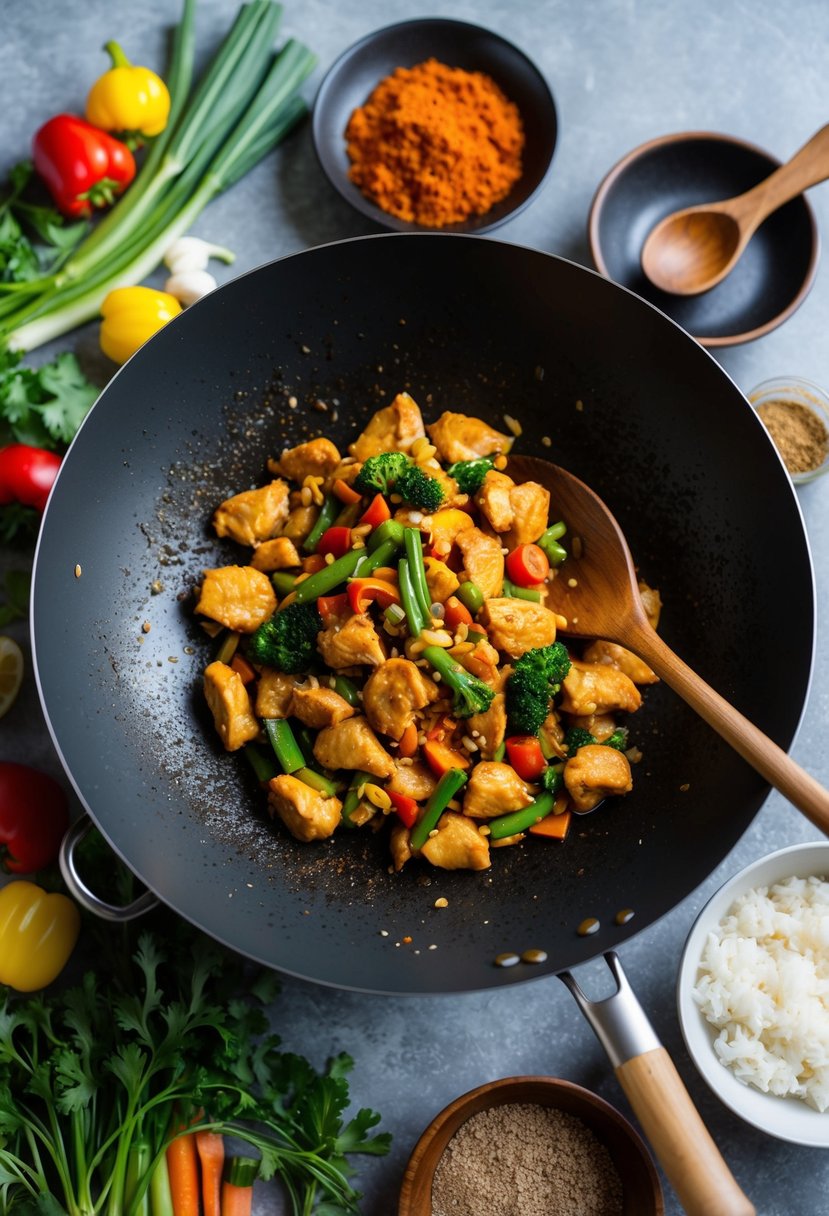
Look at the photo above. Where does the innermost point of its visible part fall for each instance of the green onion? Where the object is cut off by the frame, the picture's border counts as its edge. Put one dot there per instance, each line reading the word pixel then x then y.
pixel 417 572
pixel 283 582
pixel 521 593
pixel 242 1171
pixel 519 821
pixel 442 794
pixel 316 781
pixel 262 765
pixel 228 647
pixel 475 636
pixel 548 543
pixel 244 105
pixel 500 752
pixel 414 613
pixel 287 750
pixel 471 596
pixel 348 690
pixel 326 517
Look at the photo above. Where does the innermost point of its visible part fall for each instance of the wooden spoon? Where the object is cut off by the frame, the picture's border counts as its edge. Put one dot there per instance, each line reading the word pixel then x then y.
pixel 598 594
pixel 694 249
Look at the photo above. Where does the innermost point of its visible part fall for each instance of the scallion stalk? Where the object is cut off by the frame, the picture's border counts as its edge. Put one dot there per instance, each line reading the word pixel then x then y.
pixel 442 794
pixel 287 750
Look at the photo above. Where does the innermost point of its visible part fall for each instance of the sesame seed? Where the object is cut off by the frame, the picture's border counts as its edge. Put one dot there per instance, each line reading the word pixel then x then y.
pixel 513 424
pixel 572 582
pixel 441 902
pixel 547 441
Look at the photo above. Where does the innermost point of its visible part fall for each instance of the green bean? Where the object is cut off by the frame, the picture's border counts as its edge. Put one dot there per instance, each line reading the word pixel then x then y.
pixel 352 799
pixel 228 646
pixel 548 543
pixel 519 821
pixel 500 752
pixel 414 613
pixel 347 689
pixel 521 593
pixel 262 765
pixel 471 596
pixel 316 781
pixel 329 577
pixel 329 511
pixel 417 571
pixel 442 794
pixel 283 582
pixel 373 559
pixel 287 750
pixel 390 529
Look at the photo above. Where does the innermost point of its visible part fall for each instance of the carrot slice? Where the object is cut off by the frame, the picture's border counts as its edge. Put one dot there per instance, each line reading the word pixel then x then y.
pixel 554 827
pixel 344 492
pixel 243 668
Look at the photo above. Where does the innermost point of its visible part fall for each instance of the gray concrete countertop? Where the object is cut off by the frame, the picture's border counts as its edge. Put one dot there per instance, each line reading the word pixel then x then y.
pixel 621 72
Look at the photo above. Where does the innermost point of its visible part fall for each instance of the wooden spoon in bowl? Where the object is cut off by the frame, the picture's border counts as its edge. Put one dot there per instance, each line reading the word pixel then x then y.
pixel 598 593
pixel 692 250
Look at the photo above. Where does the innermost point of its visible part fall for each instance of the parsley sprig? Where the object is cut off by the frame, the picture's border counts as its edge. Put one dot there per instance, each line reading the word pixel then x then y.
pixel 168 1036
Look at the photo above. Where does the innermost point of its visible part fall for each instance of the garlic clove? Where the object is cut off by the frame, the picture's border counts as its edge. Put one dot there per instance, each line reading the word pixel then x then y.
pixel 190 285
pixel 192 253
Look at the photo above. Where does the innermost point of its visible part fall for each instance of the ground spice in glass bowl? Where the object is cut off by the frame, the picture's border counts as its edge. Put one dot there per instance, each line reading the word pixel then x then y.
pixel 795 413
pixel 530 1146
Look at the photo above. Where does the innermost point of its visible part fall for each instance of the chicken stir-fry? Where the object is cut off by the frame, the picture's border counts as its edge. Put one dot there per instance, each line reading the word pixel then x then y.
pixel 387 653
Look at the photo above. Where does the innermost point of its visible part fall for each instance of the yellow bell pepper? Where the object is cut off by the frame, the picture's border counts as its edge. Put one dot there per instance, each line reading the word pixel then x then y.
pixel 129 99
pixel 131 315
pixel 38 932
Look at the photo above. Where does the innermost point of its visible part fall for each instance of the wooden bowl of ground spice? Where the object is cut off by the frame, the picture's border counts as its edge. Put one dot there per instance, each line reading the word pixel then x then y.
pixel 530 1146
pixel 795 413
pixel 435 125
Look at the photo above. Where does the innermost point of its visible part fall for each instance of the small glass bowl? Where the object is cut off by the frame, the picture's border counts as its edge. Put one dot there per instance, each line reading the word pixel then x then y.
pixel 805 393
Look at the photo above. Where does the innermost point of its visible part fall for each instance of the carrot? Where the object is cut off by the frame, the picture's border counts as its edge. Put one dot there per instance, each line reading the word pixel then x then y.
pixel 408 741
pixel 555 827
pixel 183 1168
pixel 344 492
pixel 313 564
pixel 237 1188
pixel 441 759
pixel 456 613
pixel 211 1150
pixel 243 668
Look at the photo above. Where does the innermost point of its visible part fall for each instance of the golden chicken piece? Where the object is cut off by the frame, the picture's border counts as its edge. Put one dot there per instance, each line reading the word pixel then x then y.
pixel 491 727
pixel 494 789
pixel 600 726
pixel 651 602
pixel 400 846
pixel 596 688
pixel 277 554
pixel 392 429
pixel 351 644
pixel 457 845
pixel 530 511
pixel 299 523
pixel 416 780
pixel 319 707
pixel 594 773
pixel 624 660
pixel 441 581
pixel 483 560
pixel 307 813
pixel 253 515
pixel 229 703
pixel 317 458
pixel 459 437
pixel 353 744
pixel 274 693
pixel 393 693
pixel 481 661
pixel 238 597
pixel 516 626
pixel 493 500
pixel 552 735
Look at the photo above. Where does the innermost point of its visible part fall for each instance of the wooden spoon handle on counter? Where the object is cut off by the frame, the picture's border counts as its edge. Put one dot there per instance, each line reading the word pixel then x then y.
pixel 691 1160
pixel 764 755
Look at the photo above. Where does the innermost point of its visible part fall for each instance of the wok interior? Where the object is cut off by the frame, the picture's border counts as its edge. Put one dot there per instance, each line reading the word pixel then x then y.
pixel 632 406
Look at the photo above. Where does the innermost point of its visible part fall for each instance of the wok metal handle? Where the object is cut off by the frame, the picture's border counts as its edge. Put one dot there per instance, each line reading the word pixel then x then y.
pixel 81 892
pixel 679 1138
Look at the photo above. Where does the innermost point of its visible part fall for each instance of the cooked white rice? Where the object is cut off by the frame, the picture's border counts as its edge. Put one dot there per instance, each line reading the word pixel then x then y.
pixel 764 983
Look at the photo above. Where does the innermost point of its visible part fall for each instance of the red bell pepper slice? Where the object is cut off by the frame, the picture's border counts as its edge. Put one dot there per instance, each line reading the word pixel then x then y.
pixel 336 541
pixel 363 591
pixel 34 815
pixel 527 566
pixel 406 807
pixel 526 757
pixel 332 605
pixel 82 166
pixel 376 513
pixel 455 613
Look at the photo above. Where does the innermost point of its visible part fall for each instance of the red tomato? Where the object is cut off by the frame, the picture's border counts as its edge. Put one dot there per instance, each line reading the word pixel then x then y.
pixel 527 565
pixel 336 541
pixel 27 474
pixel 34 814
pixel 526 757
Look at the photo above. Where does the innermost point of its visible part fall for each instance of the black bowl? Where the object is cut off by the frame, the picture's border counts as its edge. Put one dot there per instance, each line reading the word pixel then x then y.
pixel 352 78
pixel 771 279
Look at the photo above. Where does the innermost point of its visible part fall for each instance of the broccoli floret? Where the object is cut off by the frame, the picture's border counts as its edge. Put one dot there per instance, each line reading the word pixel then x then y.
pixel 470 474
pixel 379 473
pixel 416 487
pixel 577 737
pixel 619 739
pixel 471 695
pixel 534 682
pixel 288 641
pixel 552 779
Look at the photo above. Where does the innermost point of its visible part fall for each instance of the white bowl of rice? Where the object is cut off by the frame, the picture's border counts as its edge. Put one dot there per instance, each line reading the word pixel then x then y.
pixel 753 994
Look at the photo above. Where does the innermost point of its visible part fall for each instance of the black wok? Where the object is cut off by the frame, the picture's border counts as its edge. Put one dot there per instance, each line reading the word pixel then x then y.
pixel 633 406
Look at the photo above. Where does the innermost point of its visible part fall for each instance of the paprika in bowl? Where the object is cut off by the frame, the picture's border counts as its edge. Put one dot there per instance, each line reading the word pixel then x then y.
pixel 465 83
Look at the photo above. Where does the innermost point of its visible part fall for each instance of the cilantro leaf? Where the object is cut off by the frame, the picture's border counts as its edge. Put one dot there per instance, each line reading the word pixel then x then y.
pixel 69 397
pixel 43 406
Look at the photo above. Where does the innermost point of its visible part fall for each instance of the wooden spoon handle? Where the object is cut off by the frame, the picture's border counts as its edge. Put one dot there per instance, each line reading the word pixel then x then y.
pixel 806 168
pixel 690 1158
pixel 801 789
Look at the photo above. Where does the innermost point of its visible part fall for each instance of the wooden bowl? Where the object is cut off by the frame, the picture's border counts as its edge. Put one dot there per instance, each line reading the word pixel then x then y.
pixel 641 1187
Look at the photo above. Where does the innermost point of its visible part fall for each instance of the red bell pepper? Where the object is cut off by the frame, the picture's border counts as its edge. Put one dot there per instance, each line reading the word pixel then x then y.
pixel 376 513
pixel 527 566
pixel 455 614
pixel 34 815
pixel 406 807
pixel 362 591
pixel 336 541
pixel 26 474
pixel 330 606
pixel 526 757
pixel 82 166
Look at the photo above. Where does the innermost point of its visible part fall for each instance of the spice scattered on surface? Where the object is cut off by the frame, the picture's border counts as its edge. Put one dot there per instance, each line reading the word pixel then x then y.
pixel 522 1159
pixel 435 144
pixel 799 435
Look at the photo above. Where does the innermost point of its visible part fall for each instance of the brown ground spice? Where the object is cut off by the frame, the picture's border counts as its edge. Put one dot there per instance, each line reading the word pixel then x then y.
pixel 799 435
pixel 521 1159
pixel 435 144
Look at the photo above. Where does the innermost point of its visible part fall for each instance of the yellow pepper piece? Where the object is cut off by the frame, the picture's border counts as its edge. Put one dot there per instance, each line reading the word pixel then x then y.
pixel 131 315
pixel 128 99
pixel 37 934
